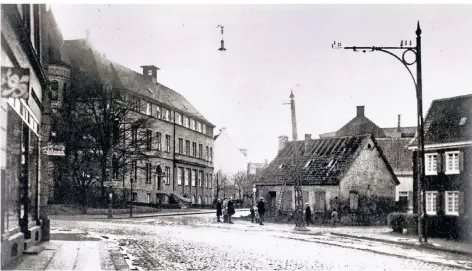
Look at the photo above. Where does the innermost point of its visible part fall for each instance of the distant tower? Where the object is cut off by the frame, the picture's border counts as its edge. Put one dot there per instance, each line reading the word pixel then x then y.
pixel 294 116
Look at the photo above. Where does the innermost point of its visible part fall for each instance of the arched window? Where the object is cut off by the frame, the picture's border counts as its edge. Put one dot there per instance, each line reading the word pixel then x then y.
pixel 54 90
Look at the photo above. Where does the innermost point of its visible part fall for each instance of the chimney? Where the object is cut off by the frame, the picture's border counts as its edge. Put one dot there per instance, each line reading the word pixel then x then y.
pixel 294 116
pixel 399 127
pixel 87 35
pixel 360 110
pixel 307 142
pixel 244 151
pixel 150 73
pixel 282 142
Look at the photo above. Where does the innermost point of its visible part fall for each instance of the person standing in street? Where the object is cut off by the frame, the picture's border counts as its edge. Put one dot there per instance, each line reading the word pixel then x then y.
pixel 231 210
pixel 307 214
pixel 218 210
pixel 261 210
pixel 253 213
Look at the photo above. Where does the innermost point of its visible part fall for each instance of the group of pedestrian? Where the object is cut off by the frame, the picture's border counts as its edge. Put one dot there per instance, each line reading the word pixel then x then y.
pixel 308 217
pixel 225 209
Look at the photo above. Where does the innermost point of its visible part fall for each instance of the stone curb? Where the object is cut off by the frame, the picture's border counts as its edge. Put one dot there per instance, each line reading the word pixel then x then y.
pixel 415 245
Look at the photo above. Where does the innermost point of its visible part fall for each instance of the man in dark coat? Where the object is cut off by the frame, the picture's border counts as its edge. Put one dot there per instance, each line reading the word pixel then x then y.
pixel 308 214
pixel 253 213
pixel 218 210
pixel 231 210
pixel 261 210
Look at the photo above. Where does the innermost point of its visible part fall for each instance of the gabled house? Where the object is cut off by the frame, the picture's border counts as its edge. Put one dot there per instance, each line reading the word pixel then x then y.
pixel 394 143
pixel 350 174
pixel 448 169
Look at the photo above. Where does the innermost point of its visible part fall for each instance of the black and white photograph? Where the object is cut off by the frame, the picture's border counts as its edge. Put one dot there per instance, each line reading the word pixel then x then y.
pixel 252 135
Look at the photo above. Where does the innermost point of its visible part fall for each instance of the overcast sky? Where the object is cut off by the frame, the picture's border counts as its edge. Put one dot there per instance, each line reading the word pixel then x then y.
pixel 272 49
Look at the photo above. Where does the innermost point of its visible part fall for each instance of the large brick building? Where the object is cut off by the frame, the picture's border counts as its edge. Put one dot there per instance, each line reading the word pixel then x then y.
pixel 178 139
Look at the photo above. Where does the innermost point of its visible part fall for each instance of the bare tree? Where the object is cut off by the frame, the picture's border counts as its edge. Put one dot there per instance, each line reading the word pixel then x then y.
pixel 243 184
pixel 101 127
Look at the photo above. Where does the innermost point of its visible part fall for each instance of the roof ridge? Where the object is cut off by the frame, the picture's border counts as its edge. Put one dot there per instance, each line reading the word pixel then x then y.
pixel 452 98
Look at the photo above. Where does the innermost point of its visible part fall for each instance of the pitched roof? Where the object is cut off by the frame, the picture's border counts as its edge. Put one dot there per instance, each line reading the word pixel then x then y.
pixel 360 125
pixel 397 153
pixel 98 70
pixel 448 120
pixel 327 162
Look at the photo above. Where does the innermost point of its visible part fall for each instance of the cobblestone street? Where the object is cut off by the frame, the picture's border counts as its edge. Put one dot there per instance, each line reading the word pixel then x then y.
pixel 198 243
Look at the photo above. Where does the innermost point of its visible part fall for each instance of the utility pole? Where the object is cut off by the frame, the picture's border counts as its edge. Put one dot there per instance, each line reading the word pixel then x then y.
pixel 407 47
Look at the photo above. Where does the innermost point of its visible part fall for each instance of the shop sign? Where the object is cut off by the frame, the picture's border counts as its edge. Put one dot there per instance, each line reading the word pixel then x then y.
pixel 54 149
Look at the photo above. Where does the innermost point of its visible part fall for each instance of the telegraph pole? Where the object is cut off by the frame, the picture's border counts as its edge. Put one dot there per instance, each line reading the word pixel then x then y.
pixel 406 47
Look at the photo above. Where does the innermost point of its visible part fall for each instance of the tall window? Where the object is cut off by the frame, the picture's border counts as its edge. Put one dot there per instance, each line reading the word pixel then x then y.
pixel 158 112
pixel 134 136
pixel 198 127
pixel 159 141
pixel 452 202
pixel 211 154
pixel 194 176
pixel 148 139
pixel 167 175
pixel 452 162
pixel 148 197
pixel 185 121
pixel 194 149
pixel 187 147
pixel 204 128
pixel 148 172
pixel 178 118
pixel 210 182
pixel 207 154
pixel 188 176
pixel 167 143
pixel 206 180
pixel 431 202
pixel 148 109
pixel 431 163
pixel 181 145
pixel 54 91
pixel 192 124
pixel 134 168
pixel 200 151
pixel 200 177
pixel 188 122
pixel 180 173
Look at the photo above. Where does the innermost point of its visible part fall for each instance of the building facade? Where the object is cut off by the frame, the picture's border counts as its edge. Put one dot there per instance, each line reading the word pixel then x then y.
pixel 24 82
pixel 448 167
pixel 176 142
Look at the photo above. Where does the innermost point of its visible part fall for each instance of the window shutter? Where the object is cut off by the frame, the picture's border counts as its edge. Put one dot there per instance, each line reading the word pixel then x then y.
pixel 461 203
pixel 461 161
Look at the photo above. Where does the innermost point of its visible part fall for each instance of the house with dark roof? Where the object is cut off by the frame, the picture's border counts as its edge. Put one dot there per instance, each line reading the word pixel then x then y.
pixel 394 144
pixel 348 173
pixel 448 167
pixel 179 139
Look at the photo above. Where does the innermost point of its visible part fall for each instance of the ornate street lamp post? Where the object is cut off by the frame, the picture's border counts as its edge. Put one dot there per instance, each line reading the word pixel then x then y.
pixel 254 195
pixel 406 47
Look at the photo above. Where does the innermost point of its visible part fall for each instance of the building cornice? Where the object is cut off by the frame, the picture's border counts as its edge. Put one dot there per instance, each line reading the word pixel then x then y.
pixel 439 146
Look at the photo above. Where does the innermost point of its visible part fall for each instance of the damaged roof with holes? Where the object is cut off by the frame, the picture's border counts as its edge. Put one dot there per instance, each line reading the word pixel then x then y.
pixel 93 69
pixel 448 120
pixel 327 162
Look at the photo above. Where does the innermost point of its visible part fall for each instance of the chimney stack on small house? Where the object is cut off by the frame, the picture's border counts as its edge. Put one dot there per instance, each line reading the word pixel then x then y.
pixel 360 111
pixel 399 127
pixel 150 73
pixel 282 142
pixel 307 142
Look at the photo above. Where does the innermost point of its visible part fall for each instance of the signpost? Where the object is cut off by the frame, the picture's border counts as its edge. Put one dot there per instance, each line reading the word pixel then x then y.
pixel 54 149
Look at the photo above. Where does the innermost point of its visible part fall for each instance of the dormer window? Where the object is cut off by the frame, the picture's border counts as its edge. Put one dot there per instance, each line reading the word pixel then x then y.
pixel 281 166
pixel 308 163
pixel 462 121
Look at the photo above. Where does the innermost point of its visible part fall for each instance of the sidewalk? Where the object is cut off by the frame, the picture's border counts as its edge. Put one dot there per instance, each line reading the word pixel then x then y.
pixel 69 255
